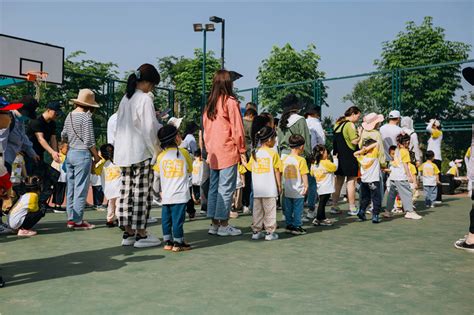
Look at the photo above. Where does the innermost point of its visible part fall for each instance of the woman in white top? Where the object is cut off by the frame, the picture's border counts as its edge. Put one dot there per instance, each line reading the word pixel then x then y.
pixel 434 144
pixel 136 145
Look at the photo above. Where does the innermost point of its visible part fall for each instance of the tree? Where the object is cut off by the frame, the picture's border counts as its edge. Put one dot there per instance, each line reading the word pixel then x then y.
pixel 365 97
pixel 426 93
pixel 286 65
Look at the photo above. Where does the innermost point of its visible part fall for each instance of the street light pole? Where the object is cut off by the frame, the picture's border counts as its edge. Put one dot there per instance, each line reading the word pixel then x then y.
pixel 204 70
pixel 217 19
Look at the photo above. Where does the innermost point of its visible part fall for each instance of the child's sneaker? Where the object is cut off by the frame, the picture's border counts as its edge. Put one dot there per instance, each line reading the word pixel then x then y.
pixel 228 230
pixel 233 215
pixel 335 210
pixel 148 241
pixel 325 222
pixel 271 237
pixel 246 210
pixel 257 235
pixel 298 231
pixel 70 224
pixel 289 229
pixel 213 229
pixel 413 215
pixel 168 245
pixel 84 225
pixel 181 247
pixel 376 218
pixel 311 214
pixel 26 233
pixel 127 239
pixel 361 215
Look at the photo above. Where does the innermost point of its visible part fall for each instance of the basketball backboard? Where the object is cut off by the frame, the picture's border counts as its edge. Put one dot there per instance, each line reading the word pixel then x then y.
pixel 18 56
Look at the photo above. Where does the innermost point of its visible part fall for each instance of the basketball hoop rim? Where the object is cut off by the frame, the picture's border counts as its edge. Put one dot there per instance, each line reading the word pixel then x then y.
pixel 36 75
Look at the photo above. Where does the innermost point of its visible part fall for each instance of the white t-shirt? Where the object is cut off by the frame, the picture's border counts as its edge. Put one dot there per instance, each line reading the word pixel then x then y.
pixel 316 130
pixel 111 128
pixel 198 170
pixel 429 170
pixel 111 179
pixel 397 170
pixel 263 172
pixel 389 134
pixel 324 175
pixel 189 143
pixel 294 167
pixel 370 166
pixel 174 171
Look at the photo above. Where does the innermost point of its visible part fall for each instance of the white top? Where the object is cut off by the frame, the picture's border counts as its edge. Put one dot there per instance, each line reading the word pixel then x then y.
pixel 174 169
pixel 111 128
pixel 263 172
pixel 189 143
pixel 136 138
pixel 17 167
pixel 434 142
pixel 389 134
pixel 198 172
pixel 111 179
pixel 370 166
pixel 294 167
pixel 95 180
pixel 397 170
pixel 324 175
pixel 429 170
pixel 316 130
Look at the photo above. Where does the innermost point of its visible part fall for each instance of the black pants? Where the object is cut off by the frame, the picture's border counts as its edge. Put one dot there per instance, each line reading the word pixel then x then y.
pixel 59 192
pixel 247 190
pixel 197 192
pixel 440 187
pixel 204 193
pixel 190 205
pixel 97 195
pixel 31 219
pixel 471 215
pixel 321 213
pixel 370 192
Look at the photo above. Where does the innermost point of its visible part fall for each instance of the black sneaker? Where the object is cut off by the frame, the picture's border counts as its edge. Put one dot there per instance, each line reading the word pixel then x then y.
pixel 59 209
pixel 461 244
pixel 181 247
pixel 289 229
pixel 298 231
pixel 361 215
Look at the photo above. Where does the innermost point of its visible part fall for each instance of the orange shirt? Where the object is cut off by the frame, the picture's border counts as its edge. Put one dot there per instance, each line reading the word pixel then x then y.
pixel 224 136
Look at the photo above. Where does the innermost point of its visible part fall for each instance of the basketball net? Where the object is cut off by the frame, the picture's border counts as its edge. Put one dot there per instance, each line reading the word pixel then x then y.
pixel 38 78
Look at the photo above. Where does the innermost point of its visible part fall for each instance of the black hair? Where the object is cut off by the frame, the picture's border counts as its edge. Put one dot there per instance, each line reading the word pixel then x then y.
pixel 349 112
pixel 429 155
pixel 368 142
pixel 276 121
pixel 290 106
pixel 107 151
pixel 296 141
pixel 402 138
pixel 265 133
pixel 197 153
pixel 318 153
pixel 250 112
pixel 258 123
pixel 167 136
pixel 191 128
pixel 251 105
pixel 392 148
pixel 146 72
pixel 33 184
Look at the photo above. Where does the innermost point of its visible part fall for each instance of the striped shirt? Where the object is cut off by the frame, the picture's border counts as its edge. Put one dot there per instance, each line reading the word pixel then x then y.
pixel 78 131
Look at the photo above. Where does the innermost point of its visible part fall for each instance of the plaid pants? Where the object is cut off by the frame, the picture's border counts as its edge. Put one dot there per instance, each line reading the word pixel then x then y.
pixel 135 195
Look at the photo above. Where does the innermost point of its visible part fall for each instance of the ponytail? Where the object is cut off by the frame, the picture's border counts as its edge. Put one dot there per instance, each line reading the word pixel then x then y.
pixel 146 72
pixel 131 85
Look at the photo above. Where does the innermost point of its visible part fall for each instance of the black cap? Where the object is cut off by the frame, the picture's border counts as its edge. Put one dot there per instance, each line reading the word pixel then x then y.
pixel 56 106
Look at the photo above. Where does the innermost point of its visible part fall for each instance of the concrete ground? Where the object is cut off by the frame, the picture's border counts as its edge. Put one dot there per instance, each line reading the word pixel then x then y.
pixel 398 266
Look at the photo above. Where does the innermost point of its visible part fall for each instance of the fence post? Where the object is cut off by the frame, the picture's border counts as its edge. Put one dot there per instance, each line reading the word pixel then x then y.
pixel 171 101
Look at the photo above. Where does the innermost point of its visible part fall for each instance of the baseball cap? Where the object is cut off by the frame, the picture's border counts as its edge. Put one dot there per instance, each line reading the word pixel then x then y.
pixel 56 106
pixel 6 105
pixel 394 114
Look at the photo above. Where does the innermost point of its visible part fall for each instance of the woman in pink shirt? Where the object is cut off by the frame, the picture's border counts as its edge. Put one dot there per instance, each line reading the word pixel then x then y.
pixel 225 144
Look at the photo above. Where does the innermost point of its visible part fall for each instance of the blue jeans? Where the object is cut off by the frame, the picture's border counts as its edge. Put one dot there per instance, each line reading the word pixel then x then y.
pixel 172 221
pixel 78 165
pixel 221 190
pixel 430 194
pixel 293 211
pixel 312 193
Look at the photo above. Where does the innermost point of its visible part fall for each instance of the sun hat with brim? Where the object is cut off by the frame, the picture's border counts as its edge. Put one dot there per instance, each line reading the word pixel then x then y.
pixel 468 74
pixel 85 98
pixel 371 120
pixel 6 106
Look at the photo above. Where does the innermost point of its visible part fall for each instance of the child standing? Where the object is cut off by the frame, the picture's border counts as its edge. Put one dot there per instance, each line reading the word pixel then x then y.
pixel 196 177
pixel 368 159
pixel 239 186
pixel 59 190
pixel 111 181
pixel 174 165
pixel 265 165
pixel 401 177
pixel 430 173
pixel 295 178
pixel 97 192
pixel 323 171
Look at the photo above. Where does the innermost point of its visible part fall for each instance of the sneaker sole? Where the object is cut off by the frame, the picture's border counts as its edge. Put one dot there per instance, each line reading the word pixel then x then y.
pixel 168 248
pixel 227 234
pixel 83 228
pixel 471 250
pixel 136 245
pixel 128 244
pixel 212 233
pixel 181 249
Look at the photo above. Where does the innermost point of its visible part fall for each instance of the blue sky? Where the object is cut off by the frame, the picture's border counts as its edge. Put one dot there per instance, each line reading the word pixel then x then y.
pixel 348 35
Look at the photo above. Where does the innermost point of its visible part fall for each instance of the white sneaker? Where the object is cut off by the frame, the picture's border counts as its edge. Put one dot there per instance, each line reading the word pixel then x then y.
pixel 150 241
pixel 4 229
pixel 228 230
pixel 304 219
pixel 311 214
pixel 151 220
pixel 245 210
pixel 352 213
pixel 257 235
pixel 202 212
pixel 335 210
pixel 438 202
pixel 271 237
pixel 413 215
pixel 129 241
pixel 213 229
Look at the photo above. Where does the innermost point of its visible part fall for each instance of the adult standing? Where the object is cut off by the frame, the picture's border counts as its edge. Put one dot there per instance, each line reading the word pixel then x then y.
pixel 408 129
pixel 78 131
pixel 225 144
pixel 42 133
pixel 111 128
pixel 136 145
pixel 345 143
pixel 249 117
pixel 434 144
pixel 390 132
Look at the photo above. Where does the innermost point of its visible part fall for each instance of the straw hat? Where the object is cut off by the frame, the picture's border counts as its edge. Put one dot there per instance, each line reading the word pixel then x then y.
pixel 85 98
pixel 371 120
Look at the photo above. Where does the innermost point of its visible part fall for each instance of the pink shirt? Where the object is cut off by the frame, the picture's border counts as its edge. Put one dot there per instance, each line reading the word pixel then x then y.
pixel 224 136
